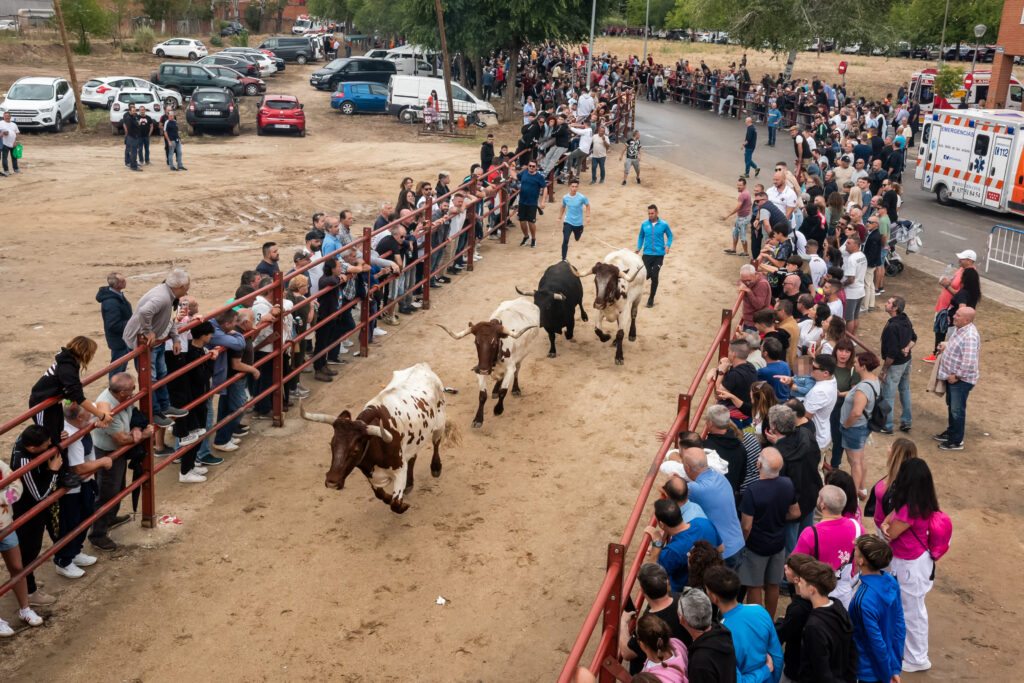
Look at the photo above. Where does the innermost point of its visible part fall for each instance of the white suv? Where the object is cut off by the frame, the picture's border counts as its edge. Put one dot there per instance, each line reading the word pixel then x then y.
pixel 180 47
pixel 140 97
pixel 101 91
pixel 40 102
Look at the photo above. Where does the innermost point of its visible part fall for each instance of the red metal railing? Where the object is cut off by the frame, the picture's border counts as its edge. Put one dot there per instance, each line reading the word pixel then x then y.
pixel 274 294
pixel 608 604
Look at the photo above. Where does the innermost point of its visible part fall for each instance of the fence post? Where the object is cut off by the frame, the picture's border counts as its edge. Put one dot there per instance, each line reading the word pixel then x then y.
pixel 364 305
pixel 146 406
pixel 428 250
pixel 684 407
pixel 277 296
pixel 723 344
pixel 613 603
pixel 505 190
pixel 471 222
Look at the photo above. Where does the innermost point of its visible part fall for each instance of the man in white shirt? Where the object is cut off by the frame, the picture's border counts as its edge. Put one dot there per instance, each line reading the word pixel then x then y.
pixel 816 264
pixel 855 269
pixel 781 195
pixel 821 399
pixel 8 139
pixel 585 105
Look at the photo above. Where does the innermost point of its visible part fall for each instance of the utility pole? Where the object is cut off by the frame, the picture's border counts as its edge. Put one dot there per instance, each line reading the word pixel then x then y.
pixel 647 20
pixel 590 54
pixel 942 41
pixel 447 67
pixel 79 111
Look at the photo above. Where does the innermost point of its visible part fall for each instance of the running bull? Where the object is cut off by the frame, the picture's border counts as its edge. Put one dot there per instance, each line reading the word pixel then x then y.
pixel 557 296
pixel 619 280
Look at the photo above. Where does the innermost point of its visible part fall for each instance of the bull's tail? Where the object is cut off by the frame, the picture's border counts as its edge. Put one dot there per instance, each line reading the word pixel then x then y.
pixel 452 433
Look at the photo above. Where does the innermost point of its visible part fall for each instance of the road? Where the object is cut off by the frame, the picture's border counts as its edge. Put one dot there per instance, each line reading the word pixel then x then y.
pixel 710 145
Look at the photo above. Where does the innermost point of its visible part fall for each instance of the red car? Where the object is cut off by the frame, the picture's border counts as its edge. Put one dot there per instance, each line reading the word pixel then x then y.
pixel 250 85
pixel 280 112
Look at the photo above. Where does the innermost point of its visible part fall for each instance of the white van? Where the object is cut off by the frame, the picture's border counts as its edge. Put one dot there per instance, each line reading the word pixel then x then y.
pixel 407 96
pixel 412 66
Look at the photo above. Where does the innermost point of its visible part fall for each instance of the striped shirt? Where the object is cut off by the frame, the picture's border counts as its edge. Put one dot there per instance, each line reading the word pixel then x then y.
pixel 961 355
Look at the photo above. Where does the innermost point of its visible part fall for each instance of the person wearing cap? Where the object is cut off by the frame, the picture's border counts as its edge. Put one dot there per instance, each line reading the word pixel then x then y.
pixel 844 171
pixel 950 286
pixel 958 367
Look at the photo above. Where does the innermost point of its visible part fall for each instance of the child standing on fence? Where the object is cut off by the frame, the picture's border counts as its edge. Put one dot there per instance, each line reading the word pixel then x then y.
pixel 185 389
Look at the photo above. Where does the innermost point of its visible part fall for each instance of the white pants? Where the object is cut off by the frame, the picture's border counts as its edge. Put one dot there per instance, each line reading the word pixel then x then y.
pixel 844 589
pixel 869 288
pixel 912 576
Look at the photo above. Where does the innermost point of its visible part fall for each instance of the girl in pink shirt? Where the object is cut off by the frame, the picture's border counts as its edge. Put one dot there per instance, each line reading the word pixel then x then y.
pixel 900 451
pixel 666 656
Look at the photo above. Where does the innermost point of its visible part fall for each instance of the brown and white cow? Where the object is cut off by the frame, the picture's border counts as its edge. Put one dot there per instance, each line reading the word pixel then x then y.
pixel 501 345
pixel 619 280
pixel 382 441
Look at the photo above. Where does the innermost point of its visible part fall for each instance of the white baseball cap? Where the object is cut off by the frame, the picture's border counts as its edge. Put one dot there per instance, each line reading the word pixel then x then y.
pixel 967 254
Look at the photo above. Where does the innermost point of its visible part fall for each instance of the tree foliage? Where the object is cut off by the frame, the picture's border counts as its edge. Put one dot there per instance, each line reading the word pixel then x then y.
pixel 636 12
pixel 920 21
pixel 948 80
pixel 84 17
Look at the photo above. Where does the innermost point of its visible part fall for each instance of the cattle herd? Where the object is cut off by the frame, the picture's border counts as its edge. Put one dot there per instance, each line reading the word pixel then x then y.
pixel 383 439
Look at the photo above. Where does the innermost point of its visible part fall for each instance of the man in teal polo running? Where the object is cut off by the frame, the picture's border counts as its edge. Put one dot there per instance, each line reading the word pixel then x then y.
pixel 653 243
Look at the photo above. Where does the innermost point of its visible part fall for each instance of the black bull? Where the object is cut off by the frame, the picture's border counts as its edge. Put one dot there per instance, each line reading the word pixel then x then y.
pixel 559 293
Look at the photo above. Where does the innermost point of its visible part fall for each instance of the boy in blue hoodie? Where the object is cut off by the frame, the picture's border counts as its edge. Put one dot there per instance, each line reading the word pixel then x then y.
pixel 753 633
pixel 877 613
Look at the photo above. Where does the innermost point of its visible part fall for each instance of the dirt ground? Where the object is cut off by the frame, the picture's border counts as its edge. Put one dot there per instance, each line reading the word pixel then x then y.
pixel 273 577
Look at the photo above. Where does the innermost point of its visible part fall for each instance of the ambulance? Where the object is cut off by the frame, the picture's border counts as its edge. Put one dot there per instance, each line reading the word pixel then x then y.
pixel 922 89
pixel 974 156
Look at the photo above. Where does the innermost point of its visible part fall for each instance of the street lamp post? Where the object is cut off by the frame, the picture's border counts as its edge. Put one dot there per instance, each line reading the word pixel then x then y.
pixel 590 54
pixel 942 41
pixel 647 21
pixel 979 31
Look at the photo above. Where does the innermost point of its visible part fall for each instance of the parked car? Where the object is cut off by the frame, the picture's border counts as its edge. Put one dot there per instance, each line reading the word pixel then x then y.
pixel 250 86
pixel 213 108
pixel 280 112
pixel 352 69
pixel 276 62
pixel 140 97
pixel 184 78
pixel 264 63
pixel 232 28
pixel 850 49
pixel 358 97
pixel 239 63
pixel 180 47
pixel 377 53
pixel 40 102
pixel 9 25
pixel 100 92
pixel 289 48
pixel 411 66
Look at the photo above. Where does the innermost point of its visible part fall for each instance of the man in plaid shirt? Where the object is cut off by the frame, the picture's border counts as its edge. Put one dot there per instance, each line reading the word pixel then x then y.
pixel 959 367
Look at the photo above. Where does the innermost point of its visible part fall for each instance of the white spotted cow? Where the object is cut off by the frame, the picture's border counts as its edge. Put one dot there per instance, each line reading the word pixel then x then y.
pixel 619 280
pixel 501 345
pixel 382 441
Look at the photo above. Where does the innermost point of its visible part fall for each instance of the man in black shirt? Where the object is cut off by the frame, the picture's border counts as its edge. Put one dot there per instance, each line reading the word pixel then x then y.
pixel 173 140
pixel 898 338
pixel 268 264
pixel 734 376
pixel 130 123
pixel 38 483
pixel 487 151
pixel 145 128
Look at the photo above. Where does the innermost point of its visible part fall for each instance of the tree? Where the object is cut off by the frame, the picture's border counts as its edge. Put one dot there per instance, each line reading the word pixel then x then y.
pixel 83 17
pixel 636 12
pixel 919 22
pixel 159 10
pixel 119 11
pixel 948 80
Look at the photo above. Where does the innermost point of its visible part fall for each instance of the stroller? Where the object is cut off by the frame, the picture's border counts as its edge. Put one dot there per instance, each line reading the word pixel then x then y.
pixel 907 233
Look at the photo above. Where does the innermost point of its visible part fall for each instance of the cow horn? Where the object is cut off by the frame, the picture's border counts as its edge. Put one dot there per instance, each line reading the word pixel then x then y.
pixel 557 296
pixel 379 432
pixel 518 334
pixel 633 276
pixel 578 274
pixel 460 335
pixel 315 417
pixel 522 293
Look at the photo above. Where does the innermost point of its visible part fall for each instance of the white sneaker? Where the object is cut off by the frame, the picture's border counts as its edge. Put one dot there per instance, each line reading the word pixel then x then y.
pixel 83 560
pixel 71 571
pixel 191 437
pixel 191 477
pixel 199 469
pixel 227 447
pixel 477 256
pixel 342 349
pixel 377 332
pixel 348 343
pixel 29 616
pixel 5 629
pixel 235 440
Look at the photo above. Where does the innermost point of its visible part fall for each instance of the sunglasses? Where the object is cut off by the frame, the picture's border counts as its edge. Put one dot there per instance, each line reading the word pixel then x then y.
pixel 815 367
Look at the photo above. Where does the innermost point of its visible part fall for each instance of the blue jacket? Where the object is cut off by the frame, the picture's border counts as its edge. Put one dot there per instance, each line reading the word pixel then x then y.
pixel 654 239
pixel 878 629
pixel 232 342
pixel 754 637
pixel 116 311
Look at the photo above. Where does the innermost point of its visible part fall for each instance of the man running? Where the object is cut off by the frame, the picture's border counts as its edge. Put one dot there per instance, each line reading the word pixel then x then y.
pixel 749 143
pixel 633 152
pixel 531 199
pixel 572 215
pixel 653 244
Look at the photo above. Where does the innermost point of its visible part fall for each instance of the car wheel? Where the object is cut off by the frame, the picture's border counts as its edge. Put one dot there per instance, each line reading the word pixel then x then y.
pixel 407 116
pixel 236 129
pixel 192 56
pixel 195 131
pixel 259 130
pixel 301 59
pixel 302 133
pixel 170 103
pixel 160 53
pixel 942 195
pixel 74 115
pixel 58 124
pixel 348 108
pixel 114 129
pixel 252 89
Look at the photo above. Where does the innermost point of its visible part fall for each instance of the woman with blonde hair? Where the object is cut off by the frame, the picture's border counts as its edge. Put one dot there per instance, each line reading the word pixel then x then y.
pixel 855 199
pixel 900 451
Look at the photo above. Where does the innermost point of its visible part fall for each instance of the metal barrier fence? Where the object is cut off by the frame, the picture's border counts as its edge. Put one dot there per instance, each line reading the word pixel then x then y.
pixel 700 95
pixel 1005 246
pixel 423 270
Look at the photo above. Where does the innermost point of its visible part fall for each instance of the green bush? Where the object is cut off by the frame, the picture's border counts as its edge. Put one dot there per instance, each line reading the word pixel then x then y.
pixel 219 26
pixel 253 16
pixel 240 39
pixel 144 39
pixel 216 41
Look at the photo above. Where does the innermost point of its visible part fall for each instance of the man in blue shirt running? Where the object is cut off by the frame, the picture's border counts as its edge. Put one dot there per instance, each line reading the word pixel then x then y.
pixel 572 215
pixel 653 244
pixel 531 199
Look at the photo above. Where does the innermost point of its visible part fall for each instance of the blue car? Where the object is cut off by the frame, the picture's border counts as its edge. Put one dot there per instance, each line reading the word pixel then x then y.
pixel 356 97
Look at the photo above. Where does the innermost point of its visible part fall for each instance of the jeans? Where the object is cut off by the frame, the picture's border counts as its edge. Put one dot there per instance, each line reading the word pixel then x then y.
pixel 897 378
pixel 575 161
pixel 109 483
pixel 143 148
pixel 158 370
pixel 956 410
pixel 5 152
pixel 174 150
pixel 594 163
pixel 726 104
pixel 204 449
pixel 772 130
pixel 748 160
pixel 837 440
pixel 74 507
pixel 567 231
pixel 551 158
pixel 230 401
pixel 131 151
pixel 117 350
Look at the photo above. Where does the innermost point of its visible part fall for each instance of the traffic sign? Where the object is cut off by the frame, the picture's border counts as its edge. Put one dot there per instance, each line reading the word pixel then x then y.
pixel 842 68
pixel 968 81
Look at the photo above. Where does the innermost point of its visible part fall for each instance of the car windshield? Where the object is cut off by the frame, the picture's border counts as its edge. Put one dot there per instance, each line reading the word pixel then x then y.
pixel 280 104
pixel 210 97
pixel 334 65
pixel 31 91
pixel 135 97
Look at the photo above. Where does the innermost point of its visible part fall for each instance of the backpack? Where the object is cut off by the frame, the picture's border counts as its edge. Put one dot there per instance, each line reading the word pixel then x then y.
pixel 879 414
pixel 940 532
